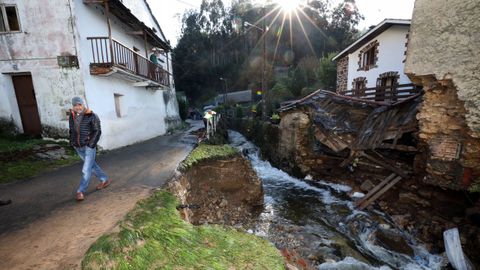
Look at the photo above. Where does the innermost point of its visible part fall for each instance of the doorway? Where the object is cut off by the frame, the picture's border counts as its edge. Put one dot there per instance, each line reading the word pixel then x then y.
pixel 27 104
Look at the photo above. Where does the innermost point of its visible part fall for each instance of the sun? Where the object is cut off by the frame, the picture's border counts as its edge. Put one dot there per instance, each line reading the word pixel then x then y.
pixel 288 5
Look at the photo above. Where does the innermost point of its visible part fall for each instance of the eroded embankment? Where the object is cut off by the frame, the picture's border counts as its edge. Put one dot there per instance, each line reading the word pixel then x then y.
pixel 219 188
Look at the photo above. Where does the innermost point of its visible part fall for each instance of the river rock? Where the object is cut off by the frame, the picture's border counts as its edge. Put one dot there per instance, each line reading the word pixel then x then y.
pixel 392 240
pixel 401 220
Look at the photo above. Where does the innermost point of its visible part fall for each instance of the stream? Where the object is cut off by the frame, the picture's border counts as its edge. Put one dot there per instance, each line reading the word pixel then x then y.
pixel 317 219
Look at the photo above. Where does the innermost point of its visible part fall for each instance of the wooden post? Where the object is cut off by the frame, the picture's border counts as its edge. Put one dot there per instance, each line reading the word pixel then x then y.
pixel 145 42
pixel 168 68
pixel 107 14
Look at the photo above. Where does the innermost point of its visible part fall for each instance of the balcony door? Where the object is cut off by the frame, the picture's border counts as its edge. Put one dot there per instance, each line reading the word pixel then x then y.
pixel 135 59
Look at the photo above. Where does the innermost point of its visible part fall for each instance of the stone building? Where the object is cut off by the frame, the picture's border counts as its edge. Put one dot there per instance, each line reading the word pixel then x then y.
pixel 444 56
pixel 99 50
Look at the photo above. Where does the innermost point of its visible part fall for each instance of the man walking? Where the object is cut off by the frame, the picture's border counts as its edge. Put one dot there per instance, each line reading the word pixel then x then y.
pixel 85 132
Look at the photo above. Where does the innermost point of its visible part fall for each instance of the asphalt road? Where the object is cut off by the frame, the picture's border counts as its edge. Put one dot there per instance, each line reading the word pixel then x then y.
pixel 45 228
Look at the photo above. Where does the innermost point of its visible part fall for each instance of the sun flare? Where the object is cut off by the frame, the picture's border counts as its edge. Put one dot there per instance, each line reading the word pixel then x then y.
pixel 288 5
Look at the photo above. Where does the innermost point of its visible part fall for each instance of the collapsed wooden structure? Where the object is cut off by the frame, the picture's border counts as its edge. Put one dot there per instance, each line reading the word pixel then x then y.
pixel 361 127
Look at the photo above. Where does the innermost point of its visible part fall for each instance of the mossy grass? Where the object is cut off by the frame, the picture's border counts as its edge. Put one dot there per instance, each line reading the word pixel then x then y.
pixel 207 152
pixel 153 236
pixel 21 162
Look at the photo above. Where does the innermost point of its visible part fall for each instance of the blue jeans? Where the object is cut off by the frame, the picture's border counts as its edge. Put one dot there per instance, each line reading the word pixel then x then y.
pixel 87 154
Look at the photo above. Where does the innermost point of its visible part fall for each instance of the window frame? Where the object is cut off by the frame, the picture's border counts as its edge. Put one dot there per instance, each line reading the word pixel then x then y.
pixel 5 19
pixel 368 56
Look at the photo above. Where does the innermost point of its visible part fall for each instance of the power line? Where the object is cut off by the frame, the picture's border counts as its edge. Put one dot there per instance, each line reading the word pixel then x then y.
pixel 186 3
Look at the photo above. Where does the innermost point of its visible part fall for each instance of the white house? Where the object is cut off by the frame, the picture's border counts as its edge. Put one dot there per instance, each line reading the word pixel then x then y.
pixel 372 67
pixel 53 50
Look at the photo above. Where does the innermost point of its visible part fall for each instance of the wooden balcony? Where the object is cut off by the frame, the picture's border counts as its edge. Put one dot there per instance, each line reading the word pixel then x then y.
pixel 116 58
pixel 391 94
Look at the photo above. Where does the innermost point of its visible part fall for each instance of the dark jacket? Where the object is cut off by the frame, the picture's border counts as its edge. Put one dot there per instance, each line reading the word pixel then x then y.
pixel 89 130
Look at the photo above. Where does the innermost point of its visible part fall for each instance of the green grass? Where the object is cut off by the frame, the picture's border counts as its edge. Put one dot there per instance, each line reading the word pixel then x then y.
pixel 27 165
pixel 14 144
pixel 207 152
pixel 153 236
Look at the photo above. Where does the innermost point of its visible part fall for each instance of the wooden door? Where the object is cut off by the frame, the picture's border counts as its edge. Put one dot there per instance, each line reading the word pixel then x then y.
pixel 27 104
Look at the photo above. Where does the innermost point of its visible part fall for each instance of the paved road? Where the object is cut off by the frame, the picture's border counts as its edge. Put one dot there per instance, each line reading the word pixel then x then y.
pixel 45 216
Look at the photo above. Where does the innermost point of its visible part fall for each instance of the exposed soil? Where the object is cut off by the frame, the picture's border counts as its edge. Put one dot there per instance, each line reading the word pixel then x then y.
pixel 223 191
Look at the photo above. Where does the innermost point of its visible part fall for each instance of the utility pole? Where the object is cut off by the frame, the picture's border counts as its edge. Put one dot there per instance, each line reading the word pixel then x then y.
pixel 264 84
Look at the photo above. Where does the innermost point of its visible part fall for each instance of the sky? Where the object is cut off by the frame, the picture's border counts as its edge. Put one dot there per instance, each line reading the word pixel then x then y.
pixel 169 13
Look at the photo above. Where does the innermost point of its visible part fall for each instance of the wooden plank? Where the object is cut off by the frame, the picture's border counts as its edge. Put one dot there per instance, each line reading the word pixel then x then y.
pixel 375 189
pixel 379 193
pixel 399 147
pixel 386 166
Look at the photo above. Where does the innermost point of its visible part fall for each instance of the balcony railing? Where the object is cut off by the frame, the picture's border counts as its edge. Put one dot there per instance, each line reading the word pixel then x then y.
pixel 385 93
pixel 120 56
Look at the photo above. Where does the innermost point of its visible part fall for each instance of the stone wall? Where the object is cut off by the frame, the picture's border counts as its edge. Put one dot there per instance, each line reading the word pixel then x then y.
pixel 342 74
pixel 452 157
pixel 442 56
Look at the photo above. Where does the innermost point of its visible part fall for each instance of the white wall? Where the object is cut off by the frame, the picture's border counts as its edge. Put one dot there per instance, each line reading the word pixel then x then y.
pixel 46 32
pixel 390 57
pixel 143 110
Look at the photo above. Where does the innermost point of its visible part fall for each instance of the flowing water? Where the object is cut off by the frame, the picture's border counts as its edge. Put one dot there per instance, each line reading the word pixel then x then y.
pixel 318 219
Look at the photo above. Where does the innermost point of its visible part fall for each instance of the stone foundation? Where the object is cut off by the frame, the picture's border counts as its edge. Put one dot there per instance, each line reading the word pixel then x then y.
pixel 451 156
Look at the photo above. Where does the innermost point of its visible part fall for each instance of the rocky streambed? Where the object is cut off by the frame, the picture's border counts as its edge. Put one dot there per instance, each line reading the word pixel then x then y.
pixel 312 222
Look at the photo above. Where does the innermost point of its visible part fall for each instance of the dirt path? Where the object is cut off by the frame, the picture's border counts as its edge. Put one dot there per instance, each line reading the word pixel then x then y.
pixel 44 228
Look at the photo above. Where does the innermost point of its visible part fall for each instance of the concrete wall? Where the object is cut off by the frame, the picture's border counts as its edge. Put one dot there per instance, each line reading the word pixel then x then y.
pixel 143 111
pixel 445 42
pixel 46 32
pixel 390 57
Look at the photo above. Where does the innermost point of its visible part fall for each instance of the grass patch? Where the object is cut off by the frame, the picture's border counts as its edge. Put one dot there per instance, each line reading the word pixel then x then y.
pixel 207 152
pixel 153 236
pixel 19 143
pixel 19 161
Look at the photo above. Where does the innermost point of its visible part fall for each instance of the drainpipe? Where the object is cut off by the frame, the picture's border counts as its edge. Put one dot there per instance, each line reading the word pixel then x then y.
pixel 107 14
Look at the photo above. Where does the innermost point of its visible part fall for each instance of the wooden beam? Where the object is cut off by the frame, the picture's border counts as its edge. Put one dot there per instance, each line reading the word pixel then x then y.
pixel 135 33
pixel 385 165
pixel 145 44
pixel 379 193
pixel 92 2
pixel 375 189
pixel 399 147
pixel 109 25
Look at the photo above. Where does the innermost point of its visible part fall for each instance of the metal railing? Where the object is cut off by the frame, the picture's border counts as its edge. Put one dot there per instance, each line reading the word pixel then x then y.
pixel 384 93
pixel 118 55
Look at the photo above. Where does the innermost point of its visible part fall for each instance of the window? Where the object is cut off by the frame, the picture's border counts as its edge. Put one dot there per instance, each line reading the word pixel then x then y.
pixel 9 19
pixel 368 56
pixel 359 84
pixel 118 105
pixel 387 86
